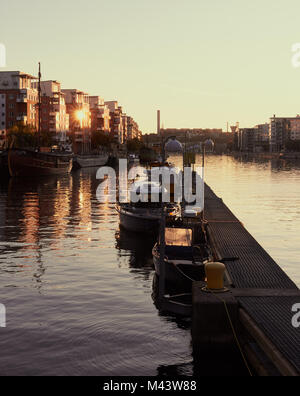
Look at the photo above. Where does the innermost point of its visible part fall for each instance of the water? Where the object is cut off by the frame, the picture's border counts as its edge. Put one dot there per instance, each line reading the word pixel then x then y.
pixel 77 289
pixel 265 196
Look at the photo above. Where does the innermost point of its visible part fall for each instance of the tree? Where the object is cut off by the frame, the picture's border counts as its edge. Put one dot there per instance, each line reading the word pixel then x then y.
pixel 101 139
pixel 134 145
pixel 22 136
pixel 293 145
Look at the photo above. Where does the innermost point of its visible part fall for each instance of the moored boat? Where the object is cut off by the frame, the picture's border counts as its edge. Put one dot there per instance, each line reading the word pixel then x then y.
pixel 133 158
pixel 4 173
pixel 144 216
pixel 90 160
pixel 185 255
pixel 41 161
pixel 25 162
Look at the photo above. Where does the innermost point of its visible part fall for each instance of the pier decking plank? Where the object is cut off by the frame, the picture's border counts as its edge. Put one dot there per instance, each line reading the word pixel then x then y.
pixel 251 267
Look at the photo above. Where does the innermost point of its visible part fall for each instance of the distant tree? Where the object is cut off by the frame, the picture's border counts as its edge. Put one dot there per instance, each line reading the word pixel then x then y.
pixel 293 145
pixel 26 136
pixel 22 135
pixel 134 145
pixel 101 139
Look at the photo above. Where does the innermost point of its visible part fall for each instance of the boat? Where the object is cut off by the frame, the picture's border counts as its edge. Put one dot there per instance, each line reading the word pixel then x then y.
pixel 90 160
pixel 40 161
pixel 4 173
pixel 133 159
pixel 144 216
pixel 176 304
pixel 185 254
pixel 26 162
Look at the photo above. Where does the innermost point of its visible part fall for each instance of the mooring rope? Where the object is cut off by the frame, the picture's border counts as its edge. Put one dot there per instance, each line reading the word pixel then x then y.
pixel 234 332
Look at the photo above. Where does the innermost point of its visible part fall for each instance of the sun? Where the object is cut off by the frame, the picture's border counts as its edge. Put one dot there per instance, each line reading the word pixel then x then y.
pixel 80 115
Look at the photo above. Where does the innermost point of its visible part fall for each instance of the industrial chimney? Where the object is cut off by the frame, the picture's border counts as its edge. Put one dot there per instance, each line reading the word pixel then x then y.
pixel 158 122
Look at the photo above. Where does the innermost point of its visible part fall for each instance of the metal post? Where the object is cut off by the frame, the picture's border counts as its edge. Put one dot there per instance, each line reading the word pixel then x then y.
pixel 162 241
pixel 203 165
pixel 39 107
pixel 162 248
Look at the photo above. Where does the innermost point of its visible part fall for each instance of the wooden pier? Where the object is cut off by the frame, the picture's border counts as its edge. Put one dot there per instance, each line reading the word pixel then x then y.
pixel 260 297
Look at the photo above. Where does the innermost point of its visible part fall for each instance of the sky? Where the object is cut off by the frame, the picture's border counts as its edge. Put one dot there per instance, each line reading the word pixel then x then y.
pixel 203 63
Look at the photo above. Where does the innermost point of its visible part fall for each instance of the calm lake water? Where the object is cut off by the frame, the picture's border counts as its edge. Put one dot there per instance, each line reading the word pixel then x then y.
pixel 77 289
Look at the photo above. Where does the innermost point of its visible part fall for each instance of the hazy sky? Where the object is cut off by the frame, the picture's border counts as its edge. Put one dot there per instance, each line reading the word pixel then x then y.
pixel 203 63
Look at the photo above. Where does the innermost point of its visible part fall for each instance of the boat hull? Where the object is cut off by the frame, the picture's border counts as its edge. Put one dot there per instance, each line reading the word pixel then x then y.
pixel 81 161
pixel 30 163
pixel 181 274
pixel 4 172
pixel 137 223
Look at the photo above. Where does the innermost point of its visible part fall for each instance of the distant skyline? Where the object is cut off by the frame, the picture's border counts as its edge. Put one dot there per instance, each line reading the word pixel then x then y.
pixel 202 63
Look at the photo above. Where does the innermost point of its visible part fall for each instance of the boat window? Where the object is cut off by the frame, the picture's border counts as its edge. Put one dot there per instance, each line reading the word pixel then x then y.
pixel 178 237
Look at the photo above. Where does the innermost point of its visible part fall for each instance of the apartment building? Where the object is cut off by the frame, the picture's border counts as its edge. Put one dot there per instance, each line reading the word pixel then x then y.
pixel 246 139
pixel 18 100
pixel 262 134
pixel 78 108
pixel 133 131
pixel 100 115
pixel 295 128
pixel 54 116
pixel 116 122
pixel 282 130
pixel 2 119
pixel 124 128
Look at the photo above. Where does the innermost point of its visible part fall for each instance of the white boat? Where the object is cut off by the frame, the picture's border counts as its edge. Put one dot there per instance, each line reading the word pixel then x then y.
pixel 144 216
pixel 133 158
pixel 90 160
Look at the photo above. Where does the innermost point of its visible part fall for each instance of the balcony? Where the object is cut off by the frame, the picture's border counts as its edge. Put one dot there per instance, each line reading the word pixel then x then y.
pixel 22 99
pixel 21 118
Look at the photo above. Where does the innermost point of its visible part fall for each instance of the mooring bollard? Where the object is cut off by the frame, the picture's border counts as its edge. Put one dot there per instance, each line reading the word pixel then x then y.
pixel 215 311
pixel 215 277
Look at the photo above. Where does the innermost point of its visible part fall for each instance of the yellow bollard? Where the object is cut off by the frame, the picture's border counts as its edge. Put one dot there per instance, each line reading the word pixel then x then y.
pixel 215 276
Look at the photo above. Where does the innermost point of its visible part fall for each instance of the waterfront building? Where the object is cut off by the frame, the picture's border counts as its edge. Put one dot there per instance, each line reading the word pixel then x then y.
pixel 279 133
pixel 18 100
pixel 78 108
pixel 262 137
pixel 54 116
pixel 2 119
pixel 295 128
pixel 133 131
pixel 116 124
pixel 100 115
pixel 282 130
pixel 124 128
pixel 246 139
